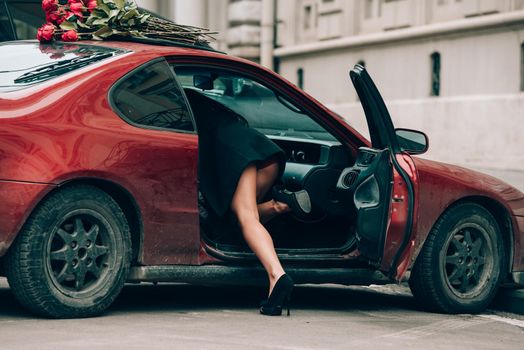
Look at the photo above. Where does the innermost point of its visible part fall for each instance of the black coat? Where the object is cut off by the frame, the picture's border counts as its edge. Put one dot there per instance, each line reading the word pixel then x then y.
pixel 227 145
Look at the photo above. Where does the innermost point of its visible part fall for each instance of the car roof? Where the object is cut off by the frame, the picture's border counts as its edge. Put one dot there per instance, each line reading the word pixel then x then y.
pixel 146 51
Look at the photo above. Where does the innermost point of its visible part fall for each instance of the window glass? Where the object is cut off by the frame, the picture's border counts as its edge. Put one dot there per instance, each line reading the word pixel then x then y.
pixel 435 74
pixel 260 106
pixel 27 18
pixel 5 26
pixel 152 97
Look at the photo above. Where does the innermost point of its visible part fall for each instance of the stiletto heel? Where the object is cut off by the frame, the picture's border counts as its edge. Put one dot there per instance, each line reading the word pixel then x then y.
pixel 280 296
pixel 288 303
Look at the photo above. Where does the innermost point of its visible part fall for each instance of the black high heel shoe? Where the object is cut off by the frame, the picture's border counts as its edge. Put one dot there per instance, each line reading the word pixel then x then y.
pixel 298 201
pixel 280 297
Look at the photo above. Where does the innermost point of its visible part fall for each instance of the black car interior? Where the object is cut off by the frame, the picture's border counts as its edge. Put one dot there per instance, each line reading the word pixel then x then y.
pixel 348 195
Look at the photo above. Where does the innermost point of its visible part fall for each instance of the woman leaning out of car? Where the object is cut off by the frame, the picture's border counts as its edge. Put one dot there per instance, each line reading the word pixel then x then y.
pixel 249 165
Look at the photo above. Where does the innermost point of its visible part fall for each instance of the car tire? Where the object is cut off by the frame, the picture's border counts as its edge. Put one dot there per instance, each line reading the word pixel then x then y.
pixel 72 256
pixel 460 266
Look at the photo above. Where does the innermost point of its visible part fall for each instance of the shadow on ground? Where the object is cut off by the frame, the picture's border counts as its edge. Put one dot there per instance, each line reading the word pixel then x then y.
pixel 190 298
pixel 182 298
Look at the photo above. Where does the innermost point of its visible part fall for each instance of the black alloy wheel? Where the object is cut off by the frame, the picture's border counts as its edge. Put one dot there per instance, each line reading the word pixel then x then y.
pixel 467 260
pixel 81 252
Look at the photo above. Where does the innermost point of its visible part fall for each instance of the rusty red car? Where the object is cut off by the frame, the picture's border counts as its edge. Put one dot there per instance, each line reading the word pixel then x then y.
pixel 99 184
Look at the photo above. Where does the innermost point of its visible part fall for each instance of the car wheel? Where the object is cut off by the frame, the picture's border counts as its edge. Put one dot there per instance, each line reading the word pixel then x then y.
pixel 461 263
pixel 72 256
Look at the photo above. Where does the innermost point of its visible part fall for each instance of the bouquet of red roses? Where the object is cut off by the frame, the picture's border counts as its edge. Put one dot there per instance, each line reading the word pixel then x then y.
pixel 99 19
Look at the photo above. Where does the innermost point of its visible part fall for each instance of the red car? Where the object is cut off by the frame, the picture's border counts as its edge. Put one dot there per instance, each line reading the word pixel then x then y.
pixel 99 185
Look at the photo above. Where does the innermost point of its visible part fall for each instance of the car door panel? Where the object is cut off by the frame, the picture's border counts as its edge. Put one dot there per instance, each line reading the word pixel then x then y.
pixel 390 250
pixel 368 185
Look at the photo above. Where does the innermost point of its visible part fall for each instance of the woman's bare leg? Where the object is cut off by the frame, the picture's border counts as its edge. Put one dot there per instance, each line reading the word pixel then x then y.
pixel 244 205
pixel 266 178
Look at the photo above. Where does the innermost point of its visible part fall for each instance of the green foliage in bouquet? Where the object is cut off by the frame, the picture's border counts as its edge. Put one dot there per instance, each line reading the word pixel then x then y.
pixel 101 19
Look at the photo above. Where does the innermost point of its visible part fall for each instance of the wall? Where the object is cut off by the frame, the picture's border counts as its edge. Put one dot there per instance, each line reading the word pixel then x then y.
pixel 477 121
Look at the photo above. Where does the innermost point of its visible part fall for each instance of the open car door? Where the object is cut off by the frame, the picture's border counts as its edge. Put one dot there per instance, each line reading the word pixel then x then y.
pixel 382 187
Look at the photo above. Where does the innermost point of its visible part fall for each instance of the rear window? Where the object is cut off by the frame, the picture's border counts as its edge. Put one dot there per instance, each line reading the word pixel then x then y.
pixel 29 63
pixel 5 25
pixel 27 18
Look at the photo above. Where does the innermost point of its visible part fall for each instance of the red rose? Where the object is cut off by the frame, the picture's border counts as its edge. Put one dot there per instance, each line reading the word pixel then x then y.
pixel 49 5
pixel 70 35
pixel 56 17
pixel 46 32
pixel 91 5
pixel 77 7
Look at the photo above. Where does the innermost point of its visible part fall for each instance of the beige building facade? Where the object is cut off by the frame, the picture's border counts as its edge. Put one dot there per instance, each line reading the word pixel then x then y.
pixel 451 68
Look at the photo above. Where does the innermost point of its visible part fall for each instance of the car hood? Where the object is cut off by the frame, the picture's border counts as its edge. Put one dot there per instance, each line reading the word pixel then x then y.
pixel 456 181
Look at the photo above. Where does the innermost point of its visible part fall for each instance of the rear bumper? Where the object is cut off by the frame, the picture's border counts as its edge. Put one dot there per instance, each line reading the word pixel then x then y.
pixel 18 201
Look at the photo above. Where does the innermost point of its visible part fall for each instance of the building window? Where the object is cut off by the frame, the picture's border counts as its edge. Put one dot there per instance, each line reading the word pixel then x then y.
pixel 522 67
pixel 300 78
pixel 307 17
pixel 368 9
pixel 435 74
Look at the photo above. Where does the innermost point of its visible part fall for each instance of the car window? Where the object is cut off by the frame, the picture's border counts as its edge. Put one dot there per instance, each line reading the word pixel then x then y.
pixel 5 25
pixel 27 18
pixel 263 109
pixel 152 97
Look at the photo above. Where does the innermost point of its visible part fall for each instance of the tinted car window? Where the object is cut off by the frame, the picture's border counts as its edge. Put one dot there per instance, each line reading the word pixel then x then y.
pixel 27 18
pixel 5 25
pixel 152 97
pixel 28 63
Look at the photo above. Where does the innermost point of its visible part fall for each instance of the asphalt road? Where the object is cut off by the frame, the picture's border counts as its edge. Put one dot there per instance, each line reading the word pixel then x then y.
pixel 170 316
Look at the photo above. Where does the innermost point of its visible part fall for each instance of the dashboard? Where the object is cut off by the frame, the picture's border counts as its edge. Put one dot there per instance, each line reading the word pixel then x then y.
pixel 315 165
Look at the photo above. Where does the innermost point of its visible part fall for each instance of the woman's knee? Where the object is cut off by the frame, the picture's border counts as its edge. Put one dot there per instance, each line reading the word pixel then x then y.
pixel 266 177
pixel 269 172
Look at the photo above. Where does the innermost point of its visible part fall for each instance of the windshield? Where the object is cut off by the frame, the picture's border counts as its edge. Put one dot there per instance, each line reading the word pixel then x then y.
pixel 28 63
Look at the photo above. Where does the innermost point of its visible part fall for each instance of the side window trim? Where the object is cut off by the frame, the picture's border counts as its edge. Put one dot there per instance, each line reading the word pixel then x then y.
pixel 117 110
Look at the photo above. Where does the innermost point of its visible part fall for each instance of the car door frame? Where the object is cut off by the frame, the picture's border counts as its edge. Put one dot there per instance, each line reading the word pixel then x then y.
pixel 333 123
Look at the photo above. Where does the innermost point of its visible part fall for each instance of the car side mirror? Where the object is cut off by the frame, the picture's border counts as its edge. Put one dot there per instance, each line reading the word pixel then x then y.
pixel 412 141
pixel 203 82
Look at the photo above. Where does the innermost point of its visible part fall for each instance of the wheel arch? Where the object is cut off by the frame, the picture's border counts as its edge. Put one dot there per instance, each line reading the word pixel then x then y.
pixel 125 201
pixel 501 216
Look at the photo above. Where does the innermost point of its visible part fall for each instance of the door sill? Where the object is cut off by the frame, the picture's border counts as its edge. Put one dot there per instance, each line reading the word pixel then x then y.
pixel 252 276
pixel 230 252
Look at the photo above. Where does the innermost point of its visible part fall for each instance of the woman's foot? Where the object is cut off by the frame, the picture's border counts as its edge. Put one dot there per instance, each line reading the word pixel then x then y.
pixel 280 297
pixel 298 201
pixel 268 210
